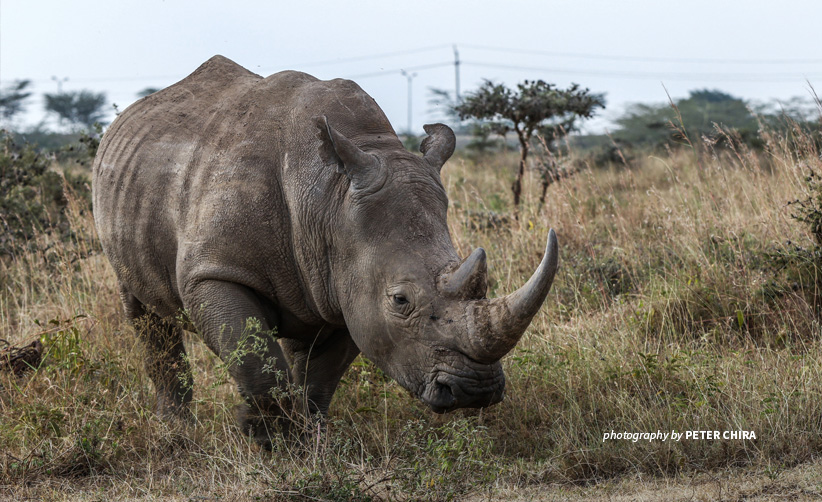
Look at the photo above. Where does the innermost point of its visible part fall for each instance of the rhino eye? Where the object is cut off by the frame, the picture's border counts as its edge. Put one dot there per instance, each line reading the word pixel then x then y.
pixel 401 304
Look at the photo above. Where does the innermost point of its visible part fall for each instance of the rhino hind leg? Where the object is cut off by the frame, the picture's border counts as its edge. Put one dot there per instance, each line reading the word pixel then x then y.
pixel 166 360
pixel 234 324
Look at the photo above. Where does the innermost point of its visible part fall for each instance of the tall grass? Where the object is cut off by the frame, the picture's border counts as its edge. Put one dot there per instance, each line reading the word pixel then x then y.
pixel 669 312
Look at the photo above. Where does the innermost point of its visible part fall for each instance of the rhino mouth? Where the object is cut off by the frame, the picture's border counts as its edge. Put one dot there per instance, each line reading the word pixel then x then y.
pixel 478 386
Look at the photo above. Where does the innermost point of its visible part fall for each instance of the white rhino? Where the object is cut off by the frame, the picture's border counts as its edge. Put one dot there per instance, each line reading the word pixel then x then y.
pixel 291 201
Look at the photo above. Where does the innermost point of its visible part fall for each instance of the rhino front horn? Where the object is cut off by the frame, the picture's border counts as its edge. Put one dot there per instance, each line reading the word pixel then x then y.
pixel 495 326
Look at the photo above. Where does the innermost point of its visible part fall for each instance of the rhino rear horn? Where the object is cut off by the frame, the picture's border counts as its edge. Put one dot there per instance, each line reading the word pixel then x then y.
pixel 470 280
pixel 439 145
pixel 360 167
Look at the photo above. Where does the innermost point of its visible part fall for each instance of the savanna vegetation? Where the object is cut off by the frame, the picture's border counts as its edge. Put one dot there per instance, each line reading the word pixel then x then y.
pixel 688 298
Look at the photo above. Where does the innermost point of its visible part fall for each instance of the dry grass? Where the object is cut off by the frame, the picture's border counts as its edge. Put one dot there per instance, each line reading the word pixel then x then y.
pixel 667 314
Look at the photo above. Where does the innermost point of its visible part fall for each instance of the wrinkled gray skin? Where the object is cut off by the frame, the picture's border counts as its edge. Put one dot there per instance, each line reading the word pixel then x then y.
pixel 291 200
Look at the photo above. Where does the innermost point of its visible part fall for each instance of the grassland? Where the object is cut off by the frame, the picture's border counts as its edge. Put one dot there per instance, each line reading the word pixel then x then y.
pixel 687 299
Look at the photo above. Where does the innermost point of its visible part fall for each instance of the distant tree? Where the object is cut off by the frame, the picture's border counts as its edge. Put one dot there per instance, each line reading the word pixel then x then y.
pixel 645 124
pixel 481 143
pixel 534 107
pixel 147 91
pixel 703 108
pixel 652 125
pixel 12 99
pixel 411 143
pixel 801 110
pixel 78 108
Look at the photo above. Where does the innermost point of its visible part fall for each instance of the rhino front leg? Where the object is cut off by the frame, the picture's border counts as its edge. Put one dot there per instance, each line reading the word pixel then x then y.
pixel 318 368
pixel 233 323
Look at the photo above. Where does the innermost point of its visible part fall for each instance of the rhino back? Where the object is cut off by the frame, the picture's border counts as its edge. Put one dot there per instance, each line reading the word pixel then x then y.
pixel 220 177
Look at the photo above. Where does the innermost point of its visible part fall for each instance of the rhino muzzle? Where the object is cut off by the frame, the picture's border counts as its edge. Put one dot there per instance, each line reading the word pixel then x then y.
pixel 477 386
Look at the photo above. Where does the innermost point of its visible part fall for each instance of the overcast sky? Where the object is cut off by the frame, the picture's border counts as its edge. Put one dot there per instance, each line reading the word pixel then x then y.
pixel 755 49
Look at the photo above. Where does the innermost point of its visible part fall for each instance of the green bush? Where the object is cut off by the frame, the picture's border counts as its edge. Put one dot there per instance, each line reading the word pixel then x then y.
pixel 32 195
pixel 798 267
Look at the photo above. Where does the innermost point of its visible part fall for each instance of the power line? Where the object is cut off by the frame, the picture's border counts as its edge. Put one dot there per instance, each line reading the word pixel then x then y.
pixel 398 70
pixel 104 79
pixel 582 55
pixel 457 75
pixel 303 65
pixel 759 77
pixel 410 77
pixel 365 58
pixel 674 76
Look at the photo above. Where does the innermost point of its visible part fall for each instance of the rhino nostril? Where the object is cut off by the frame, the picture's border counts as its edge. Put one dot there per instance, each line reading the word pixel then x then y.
pixel 440 396
pixel 445 392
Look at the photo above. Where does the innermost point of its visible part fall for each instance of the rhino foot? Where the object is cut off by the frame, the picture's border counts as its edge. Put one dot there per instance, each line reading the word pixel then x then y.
pixel 294 429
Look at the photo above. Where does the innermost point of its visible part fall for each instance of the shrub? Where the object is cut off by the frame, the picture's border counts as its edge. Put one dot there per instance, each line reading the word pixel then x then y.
pixel 32 198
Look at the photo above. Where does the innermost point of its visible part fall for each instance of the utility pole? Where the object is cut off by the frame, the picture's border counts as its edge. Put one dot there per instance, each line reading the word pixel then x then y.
pixel 59 83
pixel 410 77
pixel 457 73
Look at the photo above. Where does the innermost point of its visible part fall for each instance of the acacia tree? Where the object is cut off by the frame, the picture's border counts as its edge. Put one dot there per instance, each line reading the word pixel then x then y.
pixel 533 107
pixel 12 99
pixel 80 108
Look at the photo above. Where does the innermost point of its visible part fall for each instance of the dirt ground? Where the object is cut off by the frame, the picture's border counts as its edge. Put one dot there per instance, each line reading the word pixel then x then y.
pixel 800 483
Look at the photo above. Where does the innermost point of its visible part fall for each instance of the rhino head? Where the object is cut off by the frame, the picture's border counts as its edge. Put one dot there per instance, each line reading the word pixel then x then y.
pixel 411 305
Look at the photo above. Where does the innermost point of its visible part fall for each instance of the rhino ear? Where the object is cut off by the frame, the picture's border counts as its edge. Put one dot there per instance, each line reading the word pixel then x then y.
pixel 360 167
pixel 439 145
